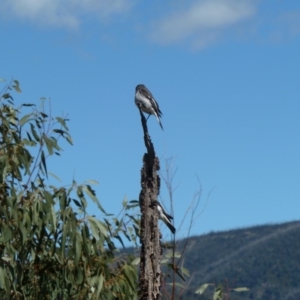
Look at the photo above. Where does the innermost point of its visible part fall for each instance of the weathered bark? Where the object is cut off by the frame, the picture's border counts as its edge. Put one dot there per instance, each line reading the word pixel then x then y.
pixel 150 271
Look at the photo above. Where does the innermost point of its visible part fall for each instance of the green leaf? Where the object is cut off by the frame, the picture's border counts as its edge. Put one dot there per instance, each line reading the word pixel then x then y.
pixel 54 176
pixel 62 122
pixel 177 271
pixel 24 119
pixel 97 226
pixel 91 193
pixel 2 278
pixel 28 104
pixel 78 246
pixel 218 293
pixel 202 288
pixel 3 158
pixel 134 201
pixel 91 181
pixel 100 284
pixel 16 86
pixel 79 276
pixel 54 143
pixel 60 131
pixel 25 163
pixel 29 143
pixel 136 261
pixel 49 144
pixel 130 275
pixel 16 137
pixel 57 258
pixel 44 162
pixel 77 203
pixel 120 240
pixel 62 199
pixel 184 271
pixel 53 219
pixel 81 197
pixel 69 139
pixel 44 115
pixel 34 133
pixel 241 289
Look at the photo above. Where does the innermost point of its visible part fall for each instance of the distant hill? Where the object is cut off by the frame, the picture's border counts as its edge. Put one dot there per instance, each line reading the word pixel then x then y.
pixel 266 259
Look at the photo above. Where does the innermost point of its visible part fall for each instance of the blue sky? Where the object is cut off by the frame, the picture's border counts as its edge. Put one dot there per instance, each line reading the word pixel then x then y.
pixel 225 74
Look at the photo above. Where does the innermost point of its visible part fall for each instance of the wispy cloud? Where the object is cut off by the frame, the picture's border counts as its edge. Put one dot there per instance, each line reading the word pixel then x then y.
pixel 202 23
pixel 67 13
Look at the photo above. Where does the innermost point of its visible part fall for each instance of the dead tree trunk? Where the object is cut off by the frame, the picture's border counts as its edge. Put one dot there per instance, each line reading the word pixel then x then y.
pixel 150 272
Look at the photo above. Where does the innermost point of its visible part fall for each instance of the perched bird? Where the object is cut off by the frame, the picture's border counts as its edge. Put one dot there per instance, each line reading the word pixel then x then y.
pixel 165 217
pixel 145 100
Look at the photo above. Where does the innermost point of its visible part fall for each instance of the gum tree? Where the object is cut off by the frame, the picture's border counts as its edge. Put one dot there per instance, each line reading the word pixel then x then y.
pixel 50 247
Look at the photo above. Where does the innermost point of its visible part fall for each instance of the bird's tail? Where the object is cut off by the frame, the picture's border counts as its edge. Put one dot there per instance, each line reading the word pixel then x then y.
pixel 167 221
pixel 171 227
pixel 158 119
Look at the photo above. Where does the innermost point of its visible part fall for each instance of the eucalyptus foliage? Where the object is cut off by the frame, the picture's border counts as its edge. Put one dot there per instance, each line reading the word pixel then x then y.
pixel 50 247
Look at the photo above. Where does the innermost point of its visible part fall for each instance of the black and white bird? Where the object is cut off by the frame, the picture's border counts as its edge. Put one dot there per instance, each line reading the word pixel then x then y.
pixel 145 100
pixel 164 217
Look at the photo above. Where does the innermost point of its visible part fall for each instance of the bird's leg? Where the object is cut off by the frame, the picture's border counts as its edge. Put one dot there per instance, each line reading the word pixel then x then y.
pixel 148 117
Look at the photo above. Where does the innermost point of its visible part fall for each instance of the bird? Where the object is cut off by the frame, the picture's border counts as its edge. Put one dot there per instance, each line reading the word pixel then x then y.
pixel 162 215
pixel 146 102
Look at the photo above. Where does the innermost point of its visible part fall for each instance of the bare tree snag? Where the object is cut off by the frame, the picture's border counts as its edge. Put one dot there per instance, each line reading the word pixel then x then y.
pixel 150 271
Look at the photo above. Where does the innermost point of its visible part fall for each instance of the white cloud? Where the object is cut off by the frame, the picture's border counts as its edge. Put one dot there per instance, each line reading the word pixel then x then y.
pixel 67 13
pixel 202 23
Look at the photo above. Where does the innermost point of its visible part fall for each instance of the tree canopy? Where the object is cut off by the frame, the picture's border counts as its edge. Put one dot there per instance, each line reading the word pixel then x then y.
pixel 50 247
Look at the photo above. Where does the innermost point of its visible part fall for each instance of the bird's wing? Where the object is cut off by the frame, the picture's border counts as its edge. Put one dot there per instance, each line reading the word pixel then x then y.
pixel 146 93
